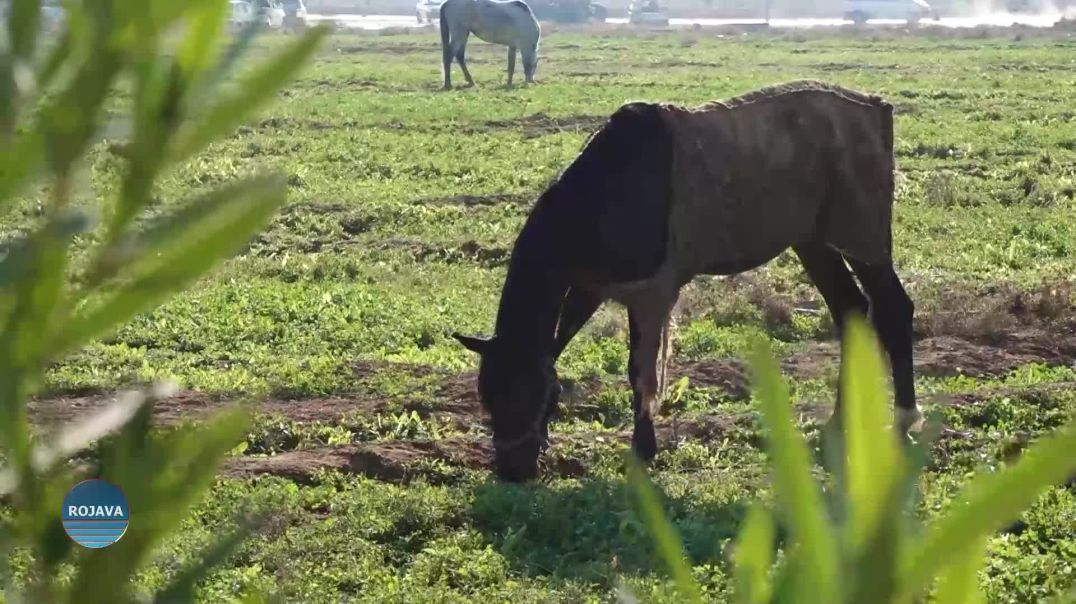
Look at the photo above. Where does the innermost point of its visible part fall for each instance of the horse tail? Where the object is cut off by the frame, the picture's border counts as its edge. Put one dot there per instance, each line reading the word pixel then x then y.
pixel 445 52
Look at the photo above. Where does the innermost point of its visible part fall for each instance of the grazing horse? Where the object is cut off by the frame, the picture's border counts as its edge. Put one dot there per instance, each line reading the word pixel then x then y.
pixel 507 22
pixel 661 194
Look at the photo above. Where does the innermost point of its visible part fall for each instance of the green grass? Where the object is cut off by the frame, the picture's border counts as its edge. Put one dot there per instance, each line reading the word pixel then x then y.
pixel 374 261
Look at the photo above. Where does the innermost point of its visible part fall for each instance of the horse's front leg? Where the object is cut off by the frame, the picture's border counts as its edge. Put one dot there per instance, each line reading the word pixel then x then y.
pixel 511 64
pixel 649 331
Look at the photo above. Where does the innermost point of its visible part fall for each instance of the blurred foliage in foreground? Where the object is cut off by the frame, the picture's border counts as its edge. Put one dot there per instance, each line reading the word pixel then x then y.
pixel 175 60
pixel 856 539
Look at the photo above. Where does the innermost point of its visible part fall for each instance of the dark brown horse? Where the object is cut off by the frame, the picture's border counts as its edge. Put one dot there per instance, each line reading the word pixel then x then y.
pixel 661 194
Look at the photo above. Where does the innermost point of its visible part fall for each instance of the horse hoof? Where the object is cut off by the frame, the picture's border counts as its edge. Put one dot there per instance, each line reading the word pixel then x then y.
pixel 446 87
pixel 909 420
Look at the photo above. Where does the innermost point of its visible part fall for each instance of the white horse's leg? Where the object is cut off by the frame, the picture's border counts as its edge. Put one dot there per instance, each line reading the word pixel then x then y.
pixel 511 64
pixel 459 50
pixel 530 62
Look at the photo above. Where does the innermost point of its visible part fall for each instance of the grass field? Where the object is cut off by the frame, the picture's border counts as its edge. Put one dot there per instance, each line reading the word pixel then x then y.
pixel 368 452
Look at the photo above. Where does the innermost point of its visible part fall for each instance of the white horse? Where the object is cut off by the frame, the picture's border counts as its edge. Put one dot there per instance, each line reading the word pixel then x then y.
pixel 507 22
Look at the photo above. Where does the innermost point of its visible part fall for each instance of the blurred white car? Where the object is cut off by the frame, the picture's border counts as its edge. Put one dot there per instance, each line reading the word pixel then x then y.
pixel 240 13
pixel 912 11
pixel 271 9
pixel 647 12
pixel 294 15
pixel 264 12
pixel 428 11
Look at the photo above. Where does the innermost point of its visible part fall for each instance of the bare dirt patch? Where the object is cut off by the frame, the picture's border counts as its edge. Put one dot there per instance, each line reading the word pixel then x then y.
pixel 380 47
pixel 399 461
pixel 494 199
pixel 540 124
pixel 944 356
pixel 455 400
pixel 468 251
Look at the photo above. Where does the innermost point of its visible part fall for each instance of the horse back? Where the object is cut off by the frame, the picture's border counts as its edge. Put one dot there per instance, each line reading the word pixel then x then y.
pixel 507 22
pixel 753 177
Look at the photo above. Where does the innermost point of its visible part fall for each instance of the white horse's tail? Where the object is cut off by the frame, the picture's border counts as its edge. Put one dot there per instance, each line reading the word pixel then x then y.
pixel 446 52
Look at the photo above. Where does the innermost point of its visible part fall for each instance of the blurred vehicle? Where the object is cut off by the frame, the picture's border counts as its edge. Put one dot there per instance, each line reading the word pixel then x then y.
pixel 428 11
pixel 240 14
pixel 274 14
pixel 647 13
pixel 912 11
pixel 294 15
pixel 567 11
pixel 264 12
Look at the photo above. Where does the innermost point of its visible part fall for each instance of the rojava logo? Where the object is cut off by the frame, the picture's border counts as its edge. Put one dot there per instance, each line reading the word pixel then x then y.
pixel 95 513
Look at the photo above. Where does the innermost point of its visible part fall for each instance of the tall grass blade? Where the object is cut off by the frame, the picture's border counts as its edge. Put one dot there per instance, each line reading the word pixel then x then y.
pixel 662 531
pixel 874 476
pixel 754 557
pixel 799 499
pixel 959 584
pixel 990 502
pixel 182 587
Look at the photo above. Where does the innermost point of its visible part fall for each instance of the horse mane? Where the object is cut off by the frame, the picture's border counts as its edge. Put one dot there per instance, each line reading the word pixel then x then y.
pixel 798 87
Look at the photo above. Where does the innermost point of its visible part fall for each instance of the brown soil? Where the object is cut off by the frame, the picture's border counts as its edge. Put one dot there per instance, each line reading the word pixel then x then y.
pixel 457 399
pixel 482 200
pixel 540 124
pixel 468 251
pixel 396 461
pixel 453 401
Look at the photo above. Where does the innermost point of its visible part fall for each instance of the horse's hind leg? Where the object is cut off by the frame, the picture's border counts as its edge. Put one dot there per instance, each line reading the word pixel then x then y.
pixel 511 64
pixel 459 50
pixel 891 312
pixel 827 270
pixel 649 328
pixel 446 48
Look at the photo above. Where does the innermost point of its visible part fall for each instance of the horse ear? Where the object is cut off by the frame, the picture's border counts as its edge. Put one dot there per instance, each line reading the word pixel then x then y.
pixel 479 345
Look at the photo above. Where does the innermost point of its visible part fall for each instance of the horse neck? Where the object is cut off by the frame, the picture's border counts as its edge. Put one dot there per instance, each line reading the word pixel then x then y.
pixel 534 287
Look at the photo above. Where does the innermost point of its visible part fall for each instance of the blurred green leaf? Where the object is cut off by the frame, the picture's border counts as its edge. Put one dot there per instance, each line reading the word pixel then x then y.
pixel 874 478
pixel 181 589
pixel 662 531
pixel 69 118
pixel 959 584
pixel 51 108
pixel 34 272
pixel 23 25
pixel 162 477
pixel 168 256
pixel 203 40
pixel 20 163
pixel 799 498
pixel 991 501
pixel 254 92
pixel 754 557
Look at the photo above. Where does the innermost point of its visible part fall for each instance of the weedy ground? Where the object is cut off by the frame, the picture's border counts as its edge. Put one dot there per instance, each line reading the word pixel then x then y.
pixel 368 451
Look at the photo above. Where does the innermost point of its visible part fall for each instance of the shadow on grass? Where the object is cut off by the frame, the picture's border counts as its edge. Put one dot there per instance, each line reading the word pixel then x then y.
pixel 593 531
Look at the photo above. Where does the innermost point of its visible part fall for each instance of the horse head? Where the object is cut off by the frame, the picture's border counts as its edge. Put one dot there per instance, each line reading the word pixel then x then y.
pixel 518 389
